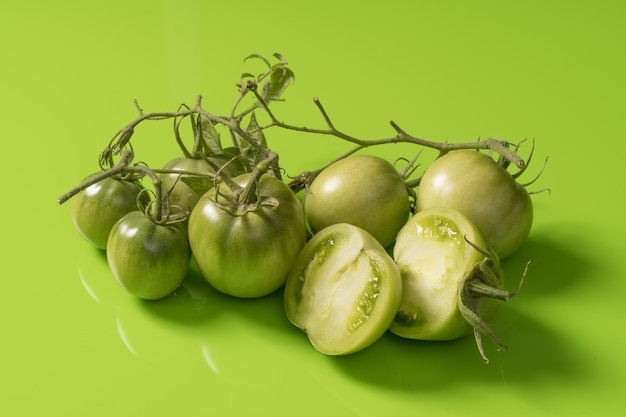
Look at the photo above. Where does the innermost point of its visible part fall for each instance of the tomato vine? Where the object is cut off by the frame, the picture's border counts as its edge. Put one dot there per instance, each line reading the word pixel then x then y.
pixel 266 88
pixel 247 191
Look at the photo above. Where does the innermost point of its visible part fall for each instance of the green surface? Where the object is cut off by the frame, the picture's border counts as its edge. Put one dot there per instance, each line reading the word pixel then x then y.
pixel 73 343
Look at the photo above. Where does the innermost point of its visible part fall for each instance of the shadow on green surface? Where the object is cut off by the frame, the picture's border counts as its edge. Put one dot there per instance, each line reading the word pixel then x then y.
pixel 196 302
pixel 556 263
pixel 535 352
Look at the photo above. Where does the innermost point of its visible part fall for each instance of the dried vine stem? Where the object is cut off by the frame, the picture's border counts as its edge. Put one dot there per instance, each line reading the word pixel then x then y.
pixel 124 167
pixel 248 84
pixel 503 148
pixel 259 158
pixel 499 146
pixel 233 122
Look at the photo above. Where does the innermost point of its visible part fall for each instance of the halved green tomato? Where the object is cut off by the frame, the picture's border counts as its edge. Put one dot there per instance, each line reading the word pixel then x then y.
pixel 343 291
pixel 451 278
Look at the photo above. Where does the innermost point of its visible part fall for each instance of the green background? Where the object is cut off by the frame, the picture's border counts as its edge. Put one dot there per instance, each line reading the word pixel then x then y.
pixel 73 343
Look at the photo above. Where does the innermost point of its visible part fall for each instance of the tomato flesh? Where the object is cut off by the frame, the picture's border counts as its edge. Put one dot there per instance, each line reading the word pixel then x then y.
pixel 434 258
pixel 343 291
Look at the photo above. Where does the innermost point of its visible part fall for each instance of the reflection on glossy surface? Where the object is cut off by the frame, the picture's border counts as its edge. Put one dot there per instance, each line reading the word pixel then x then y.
pixel 208 358
pixel 236 338
pixel 96 278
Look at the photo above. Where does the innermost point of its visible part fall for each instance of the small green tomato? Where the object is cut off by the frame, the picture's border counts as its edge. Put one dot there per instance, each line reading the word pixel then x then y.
pixel 148 260
pixel 97 208
pixel 183 196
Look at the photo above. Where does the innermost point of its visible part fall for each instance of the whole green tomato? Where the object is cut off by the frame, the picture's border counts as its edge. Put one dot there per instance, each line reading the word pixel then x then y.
pixel 365 191
pixel 248 253
pixel 477 186
pixel 185 197
pixel 148 260
pixel 343 291
pixel 97 208
pixel 451 279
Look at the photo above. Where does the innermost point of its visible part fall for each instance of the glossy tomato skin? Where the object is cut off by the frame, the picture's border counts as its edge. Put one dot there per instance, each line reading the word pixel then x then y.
pixel 96 209
pixel 183 196
pixel 248 255
pixel 148 260
pixel 365 191
pixel 180 194
pixel 474 184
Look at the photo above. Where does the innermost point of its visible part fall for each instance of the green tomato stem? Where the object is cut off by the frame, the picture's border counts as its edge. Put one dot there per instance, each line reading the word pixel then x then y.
pixel 123 168
pixel 179 140
pixel 477 288
pixel 157 215
pixel 467 307
pixel 248 197
pixel 117 169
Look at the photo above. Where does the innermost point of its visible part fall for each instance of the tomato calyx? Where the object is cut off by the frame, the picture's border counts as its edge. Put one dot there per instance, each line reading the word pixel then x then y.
pixel 239 200
pixel 239 207
pixel 483 280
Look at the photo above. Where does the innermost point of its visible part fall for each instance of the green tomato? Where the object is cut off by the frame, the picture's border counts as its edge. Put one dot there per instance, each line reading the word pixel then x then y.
pixel 180 194
pixel 97 208
pixel 249 253
pixel 148 260
pixel 477 186
pixel 451 280
pixel 365 191
pixel 343 291
pixel 185 197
